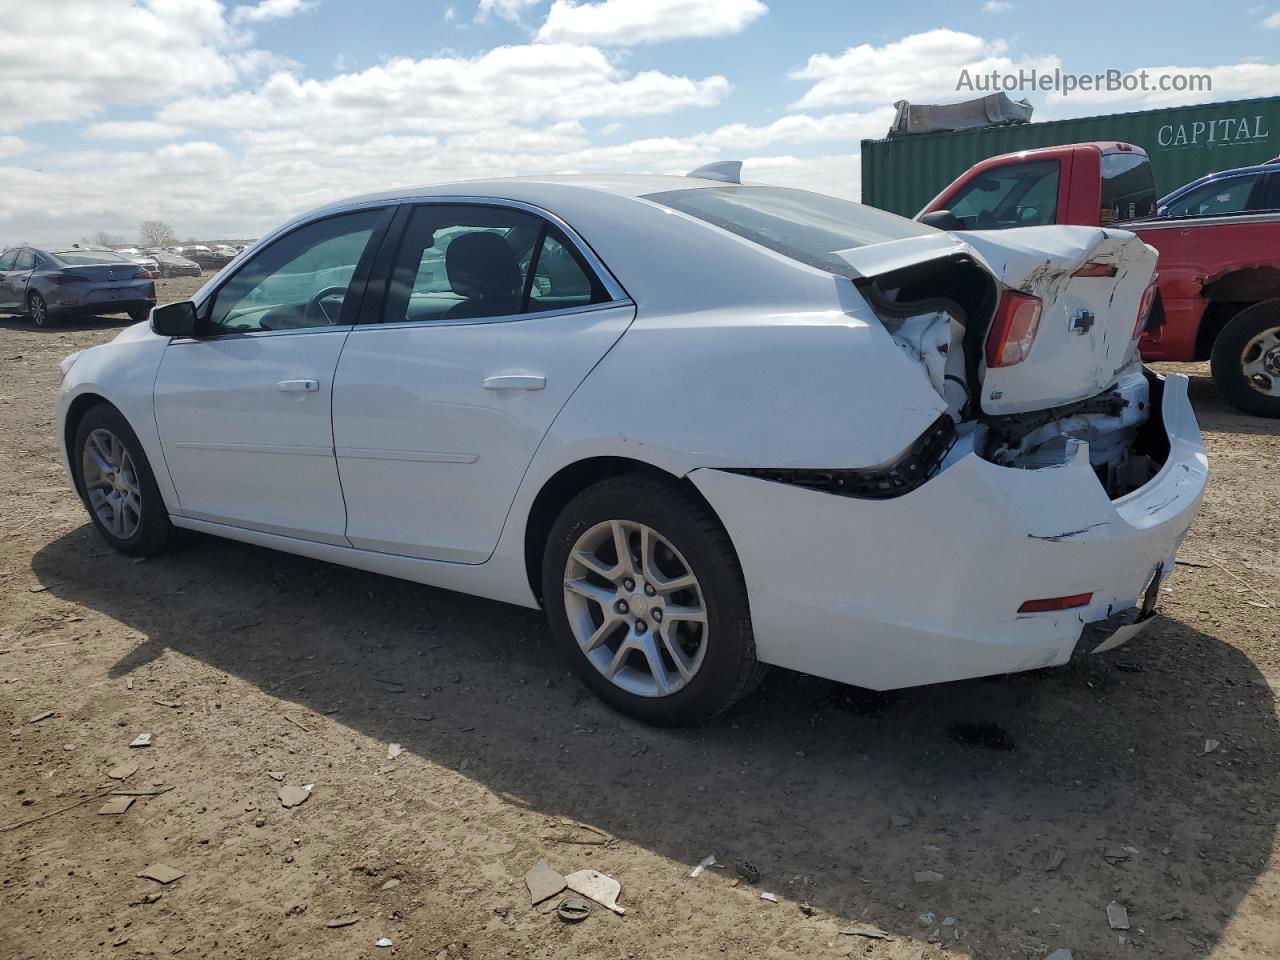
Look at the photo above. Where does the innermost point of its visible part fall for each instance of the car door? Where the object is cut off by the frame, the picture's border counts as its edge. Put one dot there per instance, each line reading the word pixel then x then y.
pixel 243 409
pixel 7 301
pixel 492 316
pixel 15 279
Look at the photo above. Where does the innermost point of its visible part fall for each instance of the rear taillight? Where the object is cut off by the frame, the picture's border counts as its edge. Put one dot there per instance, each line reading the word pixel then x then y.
pixel 1013 329
pixel 58 279
pixel 144 275
pixel 1056 603
pixel 1144 308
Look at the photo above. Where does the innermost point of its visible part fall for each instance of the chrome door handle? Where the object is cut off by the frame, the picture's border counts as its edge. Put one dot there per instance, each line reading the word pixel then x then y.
pixel 515 383
pixel 298 386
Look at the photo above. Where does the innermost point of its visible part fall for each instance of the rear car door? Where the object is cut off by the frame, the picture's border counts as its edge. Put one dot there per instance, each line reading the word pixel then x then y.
pixel 492 316
pixel 243 410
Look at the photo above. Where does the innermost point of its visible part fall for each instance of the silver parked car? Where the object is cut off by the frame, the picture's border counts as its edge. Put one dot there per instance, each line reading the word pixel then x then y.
pixel 49 284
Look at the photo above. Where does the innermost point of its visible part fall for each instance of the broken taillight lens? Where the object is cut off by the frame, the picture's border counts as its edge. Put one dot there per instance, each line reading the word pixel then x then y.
pixel 1013 329
pixel 1144 308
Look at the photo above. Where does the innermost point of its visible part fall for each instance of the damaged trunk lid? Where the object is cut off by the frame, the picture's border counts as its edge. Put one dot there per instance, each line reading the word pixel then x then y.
pixel 1081 290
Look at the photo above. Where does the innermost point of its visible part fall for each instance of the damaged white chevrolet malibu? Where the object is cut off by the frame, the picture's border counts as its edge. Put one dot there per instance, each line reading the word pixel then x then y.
pixel 707 426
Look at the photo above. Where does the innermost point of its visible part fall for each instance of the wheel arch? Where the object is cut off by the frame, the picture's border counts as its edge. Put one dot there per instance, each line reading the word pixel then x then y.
pixel 565 484
pixel 1230 293
pixel 76 411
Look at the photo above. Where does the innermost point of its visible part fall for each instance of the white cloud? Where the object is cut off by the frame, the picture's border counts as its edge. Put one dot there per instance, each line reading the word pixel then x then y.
pixel 113 52
pixel 997 6
pixel 920 66
pixel 449 94
pixel 1229 82
pixel 134 130
pixel 626 22
pixel 1272 22
pixel 12 146
pixel 506 9
pixel 269 10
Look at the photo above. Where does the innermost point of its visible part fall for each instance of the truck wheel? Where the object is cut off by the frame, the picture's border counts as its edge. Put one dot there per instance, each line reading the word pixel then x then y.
pixel 1246 360
pixel 647 601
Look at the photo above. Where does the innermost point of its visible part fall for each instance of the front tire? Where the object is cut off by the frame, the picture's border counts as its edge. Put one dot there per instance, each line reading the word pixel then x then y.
pixel 117 484
pixel 38 310
pixel 1246 360
pixel 647 600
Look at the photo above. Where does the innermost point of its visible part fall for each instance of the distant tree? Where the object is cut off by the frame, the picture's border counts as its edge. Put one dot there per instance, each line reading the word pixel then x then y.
pixel 101 238
pixel 156 233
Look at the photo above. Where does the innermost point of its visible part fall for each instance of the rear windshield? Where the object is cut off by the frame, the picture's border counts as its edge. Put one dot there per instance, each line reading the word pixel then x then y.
pixel 87 258
pixel 1128 188
pixel 809 227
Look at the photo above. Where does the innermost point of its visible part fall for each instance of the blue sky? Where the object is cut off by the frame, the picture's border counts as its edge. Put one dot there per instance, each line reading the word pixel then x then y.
pixel 223 118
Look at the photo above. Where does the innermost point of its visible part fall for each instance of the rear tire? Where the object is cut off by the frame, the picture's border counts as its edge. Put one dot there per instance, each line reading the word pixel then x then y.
pixel 117 484
pixel 685 544
pixel 138 316
pixel 38 310
pixel 1246 360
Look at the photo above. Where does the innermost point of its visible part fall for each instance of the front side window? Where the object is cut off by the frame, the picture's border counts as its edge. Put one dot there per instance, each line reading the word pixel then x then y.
pixel 299 281
pixel 472 262
pixel 1216 199
pixel 1016 195
pixel 7 258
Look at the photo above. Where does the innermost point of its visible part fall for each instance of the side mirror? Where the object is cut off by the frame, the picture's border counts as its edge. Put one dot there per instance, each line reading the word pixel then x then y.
pixel 174 319
pixel 1162 212
pixel 942 219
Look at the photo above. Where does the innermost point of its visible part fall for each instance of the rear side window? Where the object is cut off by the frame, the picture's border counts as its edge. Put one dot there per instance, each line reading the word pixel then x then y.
pixel 26 260
pixel 1222 197
pixel 1271 193
pixel 1128 188
pixel 808 227
pixel 461 262
pixel 1015 195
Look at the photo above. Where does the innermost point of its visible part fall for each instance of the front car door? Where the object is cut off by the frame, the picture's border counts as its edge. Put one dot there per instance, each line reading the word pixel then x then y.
pixel 15 279
pixel 243 409
pixel 7 297
pixel 493 315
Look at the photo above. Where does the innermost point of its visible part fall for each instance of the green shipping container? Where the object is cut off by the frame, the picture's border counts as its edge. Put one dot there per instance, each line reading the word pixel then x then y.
pixel 904 173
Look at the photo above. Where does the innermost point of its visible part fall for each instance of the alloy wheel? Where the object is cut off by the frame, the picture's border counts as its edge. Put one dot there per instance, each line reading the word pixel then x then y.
pixel 39 310
pixel 1260 362
pixel 111 484
pixel 636 608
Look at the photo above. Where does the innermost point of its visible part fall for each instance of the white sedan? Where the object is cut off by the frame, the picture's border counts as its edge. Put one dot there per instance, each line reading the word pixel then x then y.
pixel 707 426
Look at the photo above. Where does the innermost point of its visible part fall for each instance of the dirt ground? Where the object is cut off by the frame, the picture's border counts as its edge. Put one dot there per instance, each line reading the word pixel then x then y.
pixel 242 663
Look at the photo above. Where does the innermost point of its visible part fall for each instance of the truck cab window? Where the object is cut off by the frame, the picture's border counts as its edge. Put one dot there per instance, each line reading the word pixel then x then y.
pixel 1015 195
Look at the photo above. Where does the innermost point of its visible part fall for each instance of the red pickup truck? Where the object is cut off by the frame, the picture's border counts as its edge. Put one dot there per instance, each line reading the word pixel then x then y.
pixel 1219 279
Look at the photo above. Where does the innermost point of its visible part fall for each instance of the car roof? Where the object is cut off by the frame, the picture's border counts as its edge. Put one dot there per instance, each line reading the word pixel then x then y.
pixel 662 258
pixel 1271 166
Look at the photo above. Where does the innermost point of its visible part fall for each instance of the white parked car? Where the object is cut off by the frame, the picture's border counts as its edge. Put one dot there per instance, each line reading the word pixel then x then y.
pixel 707 426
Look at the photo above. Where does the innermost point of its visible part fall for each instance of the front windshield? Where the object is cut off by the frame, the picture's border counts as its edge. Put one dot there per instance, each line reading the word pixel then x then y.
pixel 808 227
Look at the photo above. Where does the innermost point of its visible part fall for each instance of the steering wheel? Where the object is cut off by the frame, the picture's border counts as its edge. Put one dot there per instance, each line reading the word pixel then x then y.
pixel 315 304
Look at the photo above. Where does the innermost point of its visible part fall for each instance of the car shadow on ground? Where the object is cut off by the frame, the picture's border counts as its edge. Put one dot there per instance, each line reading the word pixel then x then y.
pixel 1216 414
pixel 66 324
pixel 1066 788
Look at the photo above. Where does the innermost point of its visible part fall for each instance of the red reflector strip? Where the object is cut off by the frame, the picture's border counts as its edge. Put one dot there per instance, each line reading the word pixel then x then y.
pixel 1056 603
pixel 1096 269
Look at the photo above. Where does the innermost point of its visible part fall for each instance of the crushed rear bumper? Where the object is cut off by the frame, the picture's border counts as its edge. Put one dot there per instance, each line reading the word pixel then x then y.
pixel 926 587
